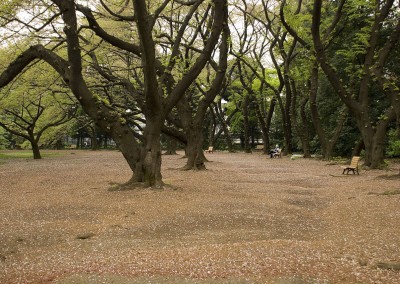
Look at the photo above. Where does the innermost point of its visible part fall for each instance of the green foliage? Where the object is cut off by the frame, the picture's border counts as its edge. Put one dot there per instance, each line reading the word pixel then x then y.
pixel 9 7
pixel 393 149
pixel 300 22
pixel 236 125
pixel 37 101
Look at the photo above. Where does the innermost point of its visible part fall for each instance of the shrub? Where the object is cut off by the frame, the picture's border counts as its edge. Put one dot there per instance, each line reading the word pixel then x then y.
pixel 393 149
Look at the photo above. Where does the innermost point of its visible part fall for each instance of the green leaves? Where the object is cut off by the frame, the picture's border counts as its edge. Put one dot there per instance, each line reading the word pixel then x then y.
pixel 10 7
pixel 37 101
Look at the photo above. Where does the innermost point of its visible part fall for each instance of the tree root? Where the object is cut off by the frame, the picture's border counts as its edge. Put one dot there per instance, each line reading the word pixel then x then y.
pixel 135 185
pixel 169 153
pixel 130 185
pixel 200 167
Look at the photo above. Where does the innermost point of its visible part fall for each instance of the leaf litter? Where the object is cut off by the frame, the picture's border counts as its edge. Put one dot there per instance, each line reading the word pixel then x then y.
pixel 247 219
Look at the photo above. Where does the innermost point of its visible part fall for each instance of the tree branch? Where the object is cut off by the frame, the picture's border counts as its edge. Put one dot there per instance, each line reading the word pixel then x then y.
pixel 28 56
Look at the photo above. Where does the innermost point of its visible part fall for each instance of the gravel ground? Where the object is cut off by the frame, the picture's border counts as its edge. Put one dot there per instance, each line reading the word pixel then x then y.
pixel 247 219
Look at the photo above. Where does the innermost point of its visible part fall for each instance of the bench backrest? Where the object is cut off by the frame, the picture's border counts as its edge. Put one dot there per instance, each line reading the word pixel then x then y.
pixel 354 162
pixel 210 148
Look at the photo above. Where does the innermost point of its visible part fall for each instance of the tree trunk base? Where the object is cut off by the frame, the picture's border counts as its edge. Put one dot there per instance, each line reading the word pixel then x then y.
pixel 170 153
pixel 135 185
pixel 198 167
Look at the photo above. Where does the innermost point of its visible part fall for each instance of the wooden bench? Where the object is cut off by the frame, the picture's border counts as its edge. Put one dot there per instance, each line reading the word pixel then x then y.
pixel 353 166
pixel 210 149
pixel 73 146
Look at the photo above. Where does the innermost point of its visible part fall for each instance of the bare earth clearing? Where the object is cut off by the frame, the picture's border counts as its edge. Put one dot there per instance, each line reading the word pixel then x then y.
pixel 247 219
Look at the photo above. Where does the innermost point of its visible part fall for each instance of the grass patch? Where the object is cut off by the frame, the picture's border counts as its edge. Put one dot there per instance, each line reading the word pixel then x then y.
pixel 16 155
pixel 391 192
pixel 387 192
pixel 6 155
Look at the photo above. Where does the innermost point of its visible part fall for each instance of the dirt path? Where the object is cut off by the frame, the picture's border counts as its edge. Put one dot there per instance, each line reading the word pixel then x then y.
pixel 247 219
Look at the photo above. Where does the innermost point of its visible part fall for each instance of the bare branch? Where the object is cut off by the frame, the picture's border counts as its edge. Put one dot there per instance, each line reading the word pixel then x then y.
pixel 118 14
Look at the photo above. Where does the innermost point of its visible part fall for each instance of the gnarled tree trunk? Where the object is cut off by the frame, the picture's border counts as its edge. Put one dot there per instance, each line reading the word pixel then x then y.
pixel 194 149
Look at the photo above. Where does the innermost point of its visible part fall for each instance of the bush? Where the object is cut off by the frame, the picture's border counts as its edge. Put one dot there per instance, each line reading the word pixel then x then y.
pixel 393 149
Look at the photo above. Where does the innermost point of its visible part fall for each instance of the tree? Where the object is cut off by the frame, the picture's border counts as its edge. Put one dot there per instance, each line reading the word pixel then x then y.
pixel 260 89
pixel 33 107
pixel 223 119
pixel 366 60
pixel 160 90
pixel 192 108
pixel 272 39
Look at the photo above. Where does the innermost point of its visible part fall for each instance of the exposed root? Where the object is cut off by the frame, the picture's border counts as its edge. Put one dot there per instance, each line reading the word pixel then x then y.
pixel 130 185
pixel 135 185
pixel 168 153
pixel 186 168
pixel 199 167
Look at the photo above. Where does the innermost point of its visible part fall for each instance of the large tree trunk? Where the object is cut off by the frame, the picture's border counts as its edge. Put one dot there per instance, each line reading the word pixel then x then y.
pixel 148 169
pixel 194 136
pixel 35 147
pixel 374 140
pixel 35 150
pixel 194 149
pixel 150 164
pixel 193 128
pixel 126 143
